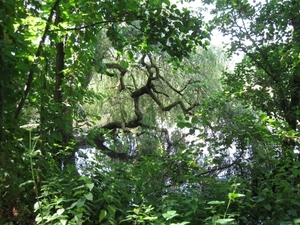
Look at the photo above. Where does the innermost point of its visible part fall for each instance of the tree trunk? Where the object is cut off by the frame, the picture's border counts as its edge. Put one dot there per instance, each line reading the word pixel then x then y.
pixel 63 116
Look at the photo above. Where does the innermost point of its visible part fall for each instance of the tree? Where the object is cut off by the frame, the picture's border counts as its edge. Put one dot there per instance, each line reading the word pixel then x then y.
pixel 265 82
pixel 268 36
pixel 144 97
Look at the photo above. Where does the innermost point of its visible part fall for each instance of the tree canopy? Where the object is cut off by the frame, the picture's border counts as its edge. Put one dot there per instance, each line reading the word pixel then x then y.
pixel 122 112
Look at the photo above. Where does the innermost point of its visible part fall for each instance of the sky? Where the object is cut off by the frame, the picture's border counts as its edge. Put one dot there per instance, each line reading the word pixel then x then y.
pixel 217 38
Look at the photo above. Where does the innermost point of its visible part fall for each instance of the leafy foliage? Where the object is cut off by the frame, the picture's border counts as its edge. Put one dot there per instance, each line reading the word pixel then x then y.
pixel 264 95
pixel 128 122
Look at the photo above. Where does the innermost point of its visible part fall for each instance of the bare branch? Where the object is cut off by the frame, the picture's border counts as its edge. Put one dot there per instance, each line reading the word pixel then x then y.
pixel 220 168
pixel 116 66
pixel 174 89
pixel 159 92
pixel 136 122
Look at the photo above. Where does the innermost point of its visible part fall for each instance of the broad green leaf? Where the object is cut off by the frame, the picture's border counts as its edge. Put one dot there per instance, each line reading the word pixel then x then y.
pixel 108 197
pixel 89 196
pixel 181 124
pixel 189 213
pixel 102 215
pixel 184 124
pixel 206 42
pixel 267 207
pixel 36 206
pixel 170 214
pixel 155 2
pixel 224 221
pixel 167 2
pixel 182 223
pixel 124 64
pixel 60 211
pixel 195 120
pixel 111 210
pixel 63 221
pixel 235 195
pixel 180 117
pixel 194 207
pixel 80 202
pixel 90 186
pixel 79 192
pixel 72 206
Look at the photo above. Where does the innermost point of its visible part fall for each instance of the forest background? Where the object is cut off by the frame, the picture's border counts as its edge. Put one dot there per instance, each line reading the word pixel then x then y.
pixel 122 112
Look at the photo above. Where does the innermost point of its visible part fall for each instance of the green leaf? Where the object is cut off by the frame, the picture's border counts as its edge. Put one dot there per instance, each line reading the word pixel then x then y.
pixel 194 207
pixel 184 124
pixel 90 186
pixel 36 206
pixel 111 210
pixel 102 215
pixel 216 202
pixel 180 117
pixel 150 218
pixel 188 213
pixel 167 2
pixel 178 12
pixel 170 214
pixel 206 42
pixel 224 221
pixel 63 221
pixel 263 117
pixel 108 197
pixel 195 120
pixel 27 182
pixel 60 211
pixel 79 192
pixel 79 187
pixel 72 206
pixel 89 196
pixel 80 202
pixel 124 64
pixel 267 207
pixel 181 124
pixel 235 195
pixel 130 56
pixel 57 136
